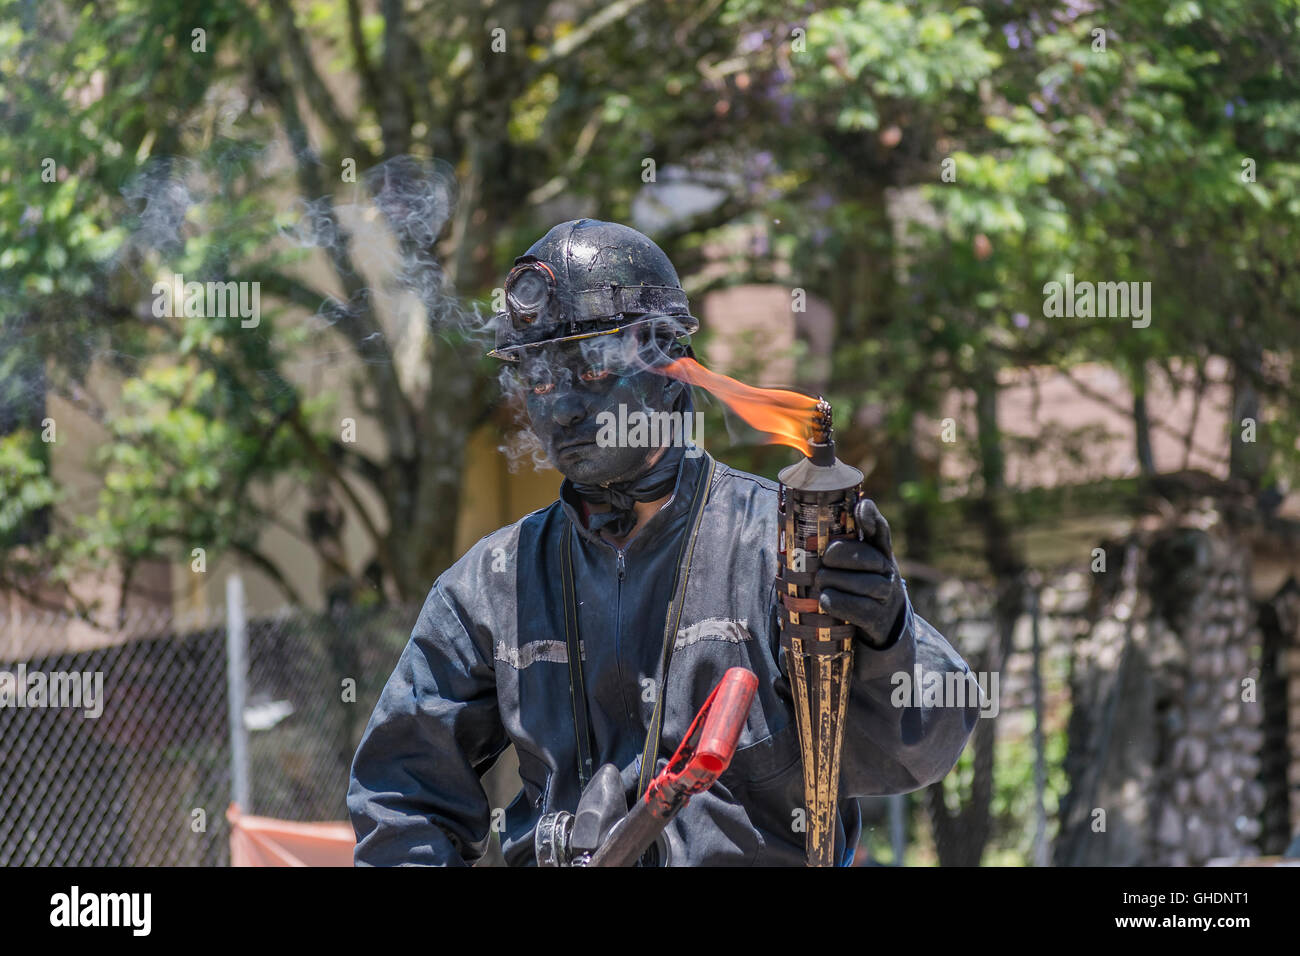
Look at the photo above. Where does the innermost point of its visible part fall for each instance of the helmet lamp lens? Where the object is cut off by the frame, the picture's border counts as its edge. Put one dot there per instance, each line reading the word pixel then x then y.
pixel 528 294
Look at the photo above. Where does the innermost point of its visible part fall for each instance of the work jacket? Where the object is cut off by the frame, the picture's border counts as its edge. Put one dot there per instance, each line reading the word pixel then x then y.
pixel 487 666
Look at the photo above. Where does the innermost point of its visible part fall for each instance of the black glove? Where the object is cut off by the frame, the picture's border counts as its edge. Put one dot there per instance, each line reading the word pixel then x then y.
pixel 860 583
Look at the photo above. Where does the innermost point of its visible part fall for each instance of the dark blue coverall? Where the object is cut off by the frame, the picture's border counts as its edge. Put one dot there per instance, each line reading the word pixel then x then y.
pixel 486 666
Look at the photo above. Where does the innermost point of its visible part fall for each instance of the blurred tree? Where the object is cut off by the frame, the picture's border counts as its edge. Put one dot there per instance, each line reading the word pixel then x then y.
pixel 927 169
pixel 937 167
pixel 165 132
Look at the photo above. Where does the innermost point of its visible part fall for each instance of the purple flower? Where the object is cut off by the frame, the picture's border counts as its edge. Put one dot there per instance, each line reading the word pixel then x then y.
pixel 1021 320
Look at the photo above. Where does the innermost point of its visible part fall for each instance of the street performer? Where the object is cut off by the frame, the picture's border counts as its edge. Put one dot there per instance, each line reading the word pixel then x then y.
pixel 589 632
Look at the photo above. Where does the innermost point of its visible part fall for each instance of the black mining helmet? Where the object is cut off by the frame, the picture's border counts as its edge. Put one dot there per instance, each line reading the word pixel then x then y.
pixel 586 278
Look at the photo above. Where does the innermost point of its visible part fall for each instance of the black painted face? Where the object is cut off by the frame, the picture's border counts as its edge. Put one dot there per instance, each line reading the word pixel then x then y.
pixel 567 387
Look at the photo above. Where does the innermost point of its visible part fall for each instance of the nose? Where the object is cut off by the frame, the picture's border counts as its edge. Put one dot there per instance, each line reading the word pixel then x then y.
pixel 569 409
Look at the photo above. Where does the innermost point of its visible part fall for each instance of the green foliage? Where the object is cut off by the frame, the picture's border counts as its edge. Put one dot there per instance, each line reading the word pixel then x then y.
pixel 1122 164
pixel 177 468
pixel 1013 813
pixel 25 485
pixel 1169 156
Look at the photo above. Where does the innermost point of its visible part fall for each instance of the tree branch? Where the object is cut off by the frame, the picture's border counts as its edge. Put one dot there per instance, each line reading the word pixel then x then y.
pixel 314 88
pixel 395 113
pixel 1111 403
pixel 369 80
pixel 331 469
pixel 571 42
pixel 264 564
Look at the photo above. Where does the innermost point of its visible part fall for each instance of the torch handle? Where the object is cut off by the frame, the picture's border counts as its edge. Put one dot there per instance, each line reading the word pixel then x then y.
pixel 705 752
pixel 817 505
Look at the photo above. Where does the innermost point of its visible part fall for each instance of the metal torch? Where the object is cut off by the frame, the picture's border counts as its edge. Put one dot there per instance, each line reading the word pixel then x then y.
pixel 817 500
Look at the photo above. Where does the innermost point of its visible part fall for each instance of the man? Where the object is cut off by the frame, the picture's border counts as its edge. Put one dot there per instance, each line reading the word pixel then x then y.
pixel 551 633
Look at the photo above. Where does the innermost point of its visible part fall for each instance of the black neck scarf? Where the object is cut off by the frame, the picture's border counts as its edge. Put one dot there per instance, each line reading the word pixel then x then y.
pixel 622 496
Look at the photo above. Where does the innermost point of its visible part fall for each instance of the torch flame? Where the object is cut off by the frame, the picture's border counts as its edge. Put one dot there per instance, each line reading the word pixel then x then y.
pixel 786 416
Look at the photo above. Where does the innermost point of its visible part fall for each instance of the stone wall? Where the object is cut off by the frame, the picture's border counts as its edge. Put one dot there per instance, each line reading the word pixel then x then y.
pixel 1184 724
pixel 1166 732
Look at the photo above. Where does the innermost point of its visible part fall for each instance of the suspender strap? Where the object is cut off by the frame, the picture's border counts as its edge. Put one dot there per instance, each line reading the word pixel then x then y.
pixel 650 753
pixel 577 690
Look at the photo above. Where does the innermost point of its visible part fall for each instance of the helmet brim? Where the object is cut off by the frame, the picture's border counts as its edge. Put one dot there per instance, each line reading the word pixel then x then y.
pixel 512 353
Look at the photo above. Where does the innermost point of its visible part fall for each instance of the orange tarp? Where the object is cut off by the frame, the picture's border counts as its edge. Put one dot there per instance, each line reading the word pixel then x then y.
pixel 264 841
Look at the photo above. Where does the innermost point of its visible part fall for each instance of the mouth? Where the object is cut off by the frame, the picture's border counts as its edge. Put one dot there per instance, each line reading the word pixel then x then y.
pixel 573 445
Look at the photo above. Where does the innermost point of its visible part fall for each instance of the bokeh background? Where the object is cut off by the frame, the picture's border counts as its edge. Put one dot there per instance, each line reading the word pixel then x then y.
pixel 868 199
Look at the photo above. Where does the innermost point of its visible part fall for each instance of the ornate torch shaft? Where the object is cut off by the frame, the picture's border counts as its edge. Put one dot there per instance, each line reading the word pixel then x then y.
pixel 817 499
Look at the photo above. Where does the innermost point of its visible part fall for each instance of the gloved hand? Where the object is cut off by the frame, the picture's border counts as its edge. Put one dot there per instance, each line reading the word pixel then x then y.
pixel 860 583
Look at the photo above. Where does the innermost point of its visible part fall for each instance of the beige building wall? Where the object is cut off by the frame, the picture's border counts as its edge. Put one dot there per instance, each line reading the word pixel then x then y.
pixel 492 496
pixel 750 331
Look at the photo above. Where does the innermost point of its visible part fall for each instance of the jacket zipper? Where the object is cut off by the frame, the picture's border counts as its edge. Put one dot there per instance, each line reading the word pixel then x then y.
pixel 618 622
pixel 621 564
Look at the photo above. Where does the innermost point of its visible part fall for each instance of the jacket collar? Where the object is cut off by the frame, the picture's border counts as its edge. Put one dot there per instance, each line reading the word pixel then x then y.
pixel 661 522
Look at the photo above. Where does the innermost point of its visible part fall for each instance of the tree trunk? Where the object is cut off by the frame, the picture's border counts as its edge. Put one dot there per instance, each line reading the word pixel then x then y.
pixel 960 837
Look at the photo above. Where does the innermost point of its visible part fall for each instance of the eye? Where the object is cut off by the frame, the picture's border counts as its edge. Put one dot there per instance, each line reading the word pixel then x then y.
pixel 594 374
pixel 536 379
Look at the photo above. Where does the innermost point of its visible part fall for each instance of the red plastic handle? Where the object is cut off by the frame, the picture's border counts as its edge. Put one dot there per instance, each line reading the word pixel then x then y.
pixel 708 747
pixel 731 700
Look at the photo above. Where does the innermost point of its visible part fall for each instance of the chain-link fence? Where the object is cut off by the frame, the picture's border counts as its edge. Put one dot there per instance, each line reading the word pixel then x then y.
pixel 115 748
pixel 119 754
pixel 148 780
